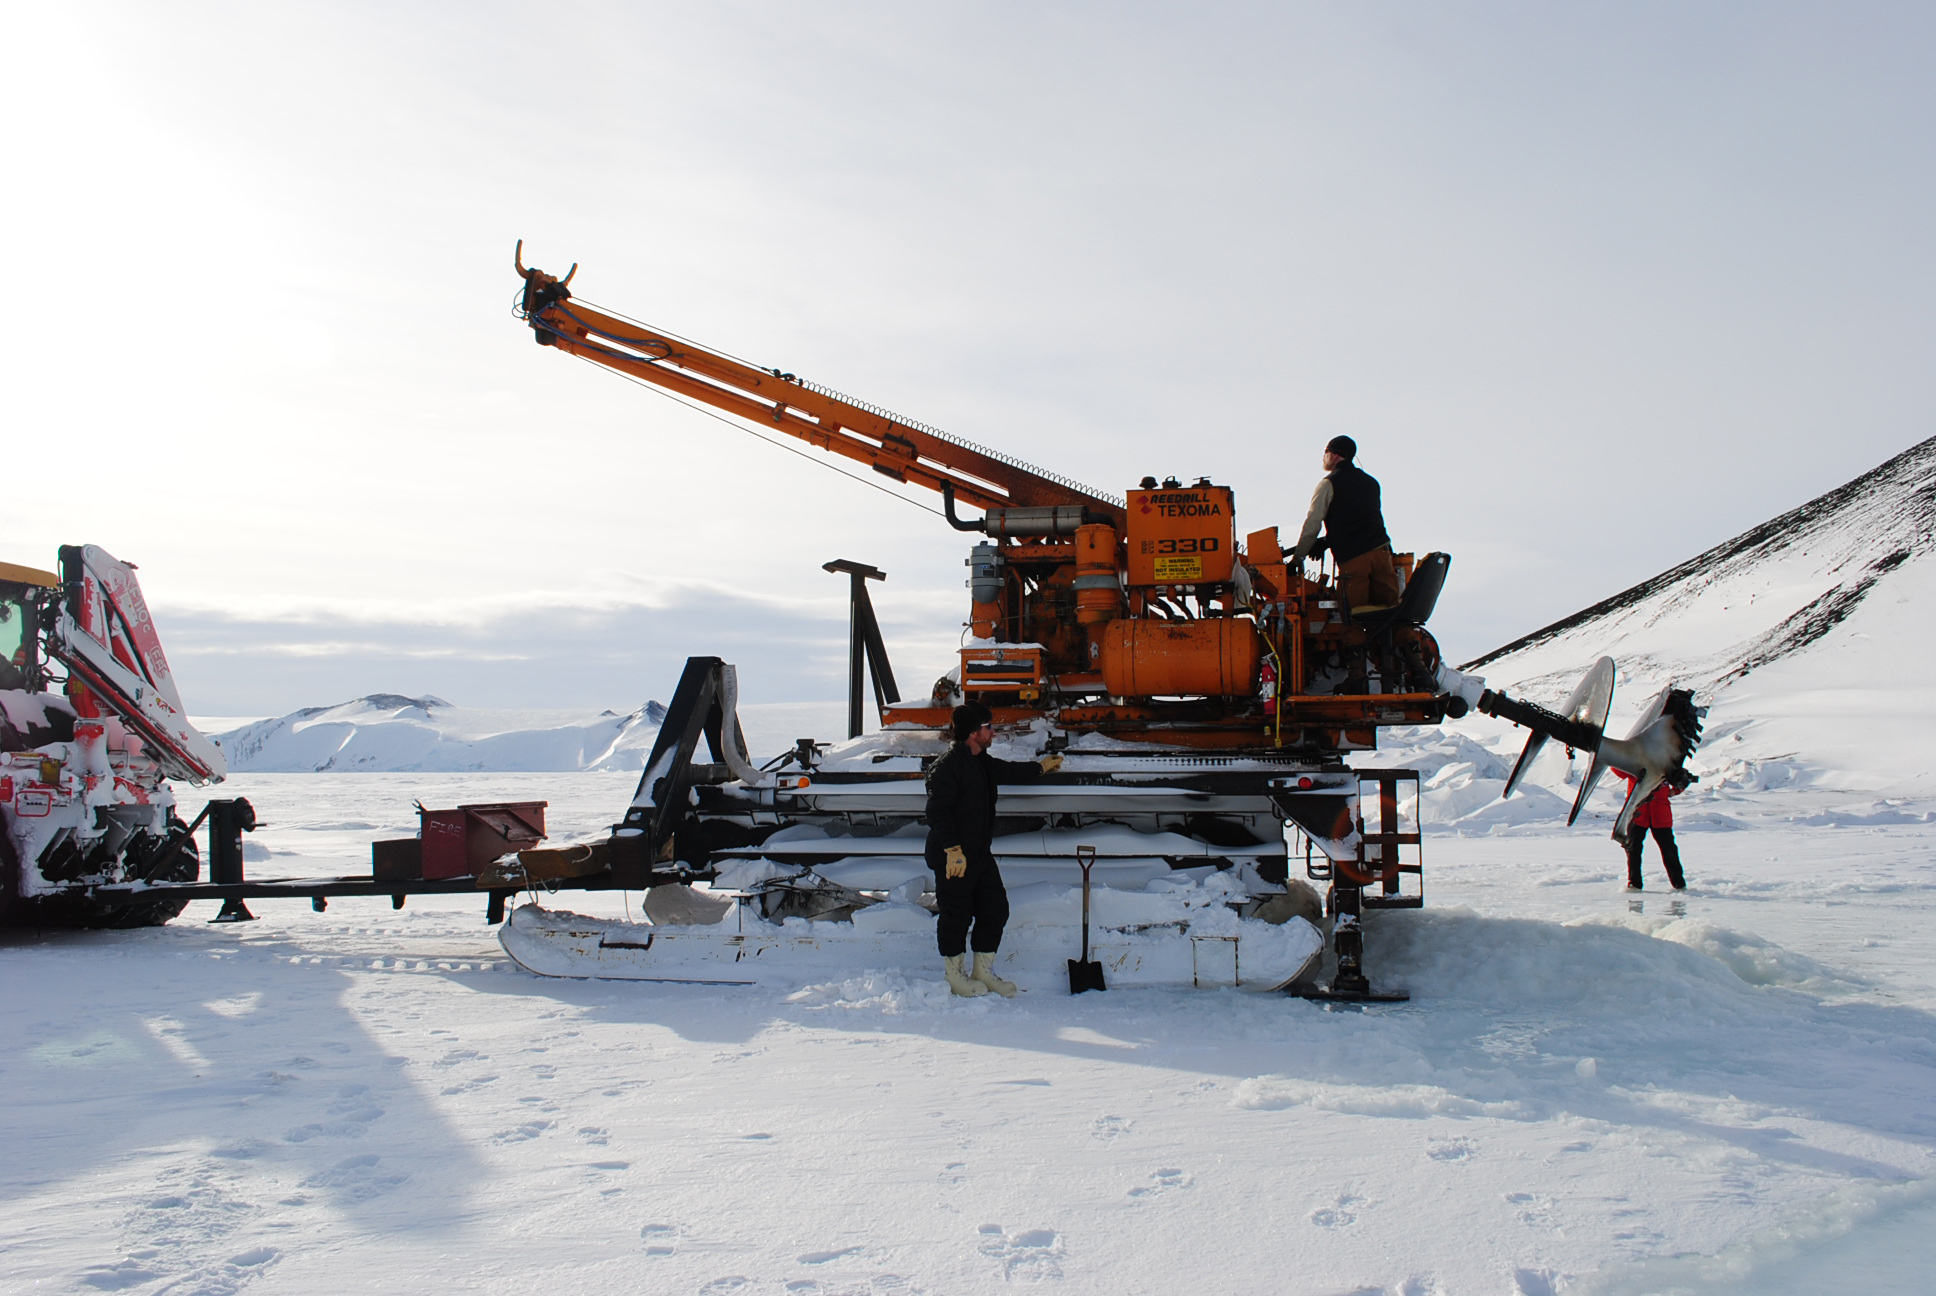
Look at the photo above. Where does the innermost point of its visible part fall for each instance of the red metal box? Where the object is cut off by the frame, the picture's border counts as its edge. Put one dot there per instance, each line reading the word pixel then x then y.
pixel 458 843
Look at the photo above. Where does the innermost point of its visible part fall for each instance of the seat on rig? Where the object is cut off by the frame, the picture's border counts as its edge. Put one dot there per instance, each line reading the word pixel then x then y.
pixel 1414 606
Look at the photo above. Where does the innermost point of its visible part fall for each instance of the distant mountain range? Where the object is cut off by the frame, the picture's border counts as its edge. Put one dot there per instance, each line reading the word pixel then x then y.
pixel 390 732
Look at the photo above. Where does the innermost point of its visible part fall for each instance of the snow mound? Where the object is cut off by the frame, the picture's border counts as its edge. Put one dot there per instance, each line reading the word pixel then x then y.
pixel 1685 967
pixel 1403 1101
pixel 892 994
pixel 1756 961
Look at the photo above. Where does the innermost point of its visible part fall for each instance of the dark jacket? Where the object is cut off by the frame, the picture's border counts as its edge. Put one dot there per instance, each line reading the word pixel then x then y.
pixel 1355 522
pixel 961 798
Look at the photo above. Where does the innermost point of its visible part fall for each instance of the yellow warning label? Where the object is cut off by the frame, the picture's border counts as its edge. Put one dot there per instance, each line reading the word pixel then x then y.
pixel 1175 570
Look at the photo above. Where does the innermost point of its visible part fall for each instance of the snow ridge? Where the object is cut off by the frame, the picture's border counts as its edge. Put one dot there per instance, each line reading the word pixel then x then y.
pixel 1858 533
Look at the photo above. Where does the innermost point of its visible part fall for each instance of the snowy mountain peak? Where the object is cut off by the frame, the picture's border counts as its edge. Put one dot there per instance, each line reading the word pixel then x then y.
pixel 1845 541
pixel 1805 633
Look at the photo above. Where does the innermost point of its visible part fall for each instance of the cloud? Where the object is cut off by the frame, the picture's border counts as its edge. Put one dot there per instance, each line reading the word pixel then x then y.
pixel 522 650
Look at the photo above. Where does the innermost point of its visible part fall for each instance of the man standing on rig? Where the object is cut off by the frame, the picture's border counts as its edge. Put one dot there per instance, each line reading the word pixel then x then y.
pixel 1346 505
pixel 968 889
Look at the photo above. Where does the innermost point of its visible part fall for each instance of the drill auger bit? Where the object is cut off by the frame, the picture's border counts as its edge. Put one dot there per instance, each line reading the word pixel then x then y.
pixel 1655 752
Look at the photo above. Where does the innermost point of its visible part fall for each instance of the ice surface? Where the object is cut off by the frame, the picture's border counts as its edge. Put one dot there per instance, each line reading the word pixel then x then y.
pixel 1728 1090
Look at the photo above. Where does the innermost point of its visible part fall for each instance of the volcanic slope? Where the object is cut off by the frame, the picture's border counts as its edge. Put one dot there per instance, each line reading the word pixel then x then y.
pixel 1809 636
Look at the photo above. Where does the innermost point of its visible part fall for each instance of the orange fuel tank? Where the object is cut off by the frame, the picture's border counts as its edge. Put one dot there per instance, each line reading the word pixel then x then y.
pixel 1217 656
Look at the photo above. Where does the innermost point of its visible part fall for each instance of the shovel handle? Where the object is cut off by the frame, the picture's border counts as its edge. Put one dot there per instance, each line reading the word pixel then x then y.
pixel 1086 857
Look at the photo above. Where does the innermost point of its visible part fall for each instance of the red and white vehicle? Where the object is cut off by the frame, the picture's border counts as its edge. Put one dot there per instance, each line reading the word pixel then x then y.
pixel 91 730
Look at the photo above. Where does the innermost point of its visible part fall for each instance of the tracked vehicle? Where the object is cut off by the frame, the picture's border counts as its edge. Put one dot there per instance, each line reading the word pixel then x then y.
pixel 92 729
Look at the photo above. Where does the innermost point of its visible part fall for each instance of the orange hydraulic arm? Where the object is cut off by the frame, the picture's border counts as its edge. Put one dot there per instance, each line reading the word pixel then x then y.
pixel 889 445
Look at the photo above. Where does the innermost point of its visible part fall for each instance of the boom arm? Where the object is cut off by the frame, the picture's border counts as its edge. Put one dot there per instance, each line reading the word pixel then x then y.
pixel 770 398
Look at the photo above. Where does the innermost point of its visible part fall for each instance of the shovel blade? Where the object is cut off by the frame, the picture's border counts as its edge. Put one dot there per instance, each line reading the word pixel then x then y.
pixel 1085 976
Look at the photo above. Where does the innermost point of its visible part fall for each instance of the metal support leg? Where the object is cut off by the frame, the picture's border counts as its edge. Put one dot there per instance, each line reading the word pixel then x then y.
pixel 227 821
pixel 866 652
pixel 1348 940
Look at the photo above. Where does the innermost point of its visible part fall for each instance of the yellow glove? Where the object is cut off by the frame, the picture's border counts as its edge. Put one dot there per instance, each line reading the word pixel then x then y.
pixel 1051 763
pixel 957 861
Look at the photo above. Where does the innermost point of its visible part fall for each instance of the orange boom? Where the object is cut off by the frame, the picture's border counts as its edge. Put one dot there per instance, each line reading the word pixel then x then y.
pixel 1141 618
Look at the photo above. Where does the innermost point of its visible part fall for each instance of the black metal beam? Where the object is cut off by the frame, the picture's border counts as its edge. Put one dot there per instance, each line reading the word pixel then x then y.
pixel 1580 737
pixel 660 804
pixel 865 647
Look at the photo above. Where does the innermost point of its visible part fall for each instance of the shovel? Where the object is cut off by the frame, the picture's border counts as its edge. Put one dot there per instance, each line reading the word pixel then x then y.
pixel 1085 974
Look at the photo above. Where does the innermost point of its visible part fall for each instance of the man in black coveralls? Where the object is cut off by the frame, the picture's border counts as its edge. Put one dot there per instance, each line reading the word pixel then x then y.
pixel 968 888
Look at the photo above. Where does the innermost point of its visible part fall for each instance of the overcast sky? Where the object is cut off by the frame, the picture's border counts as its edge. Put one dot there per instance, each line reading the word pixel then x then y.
pixel 1594 286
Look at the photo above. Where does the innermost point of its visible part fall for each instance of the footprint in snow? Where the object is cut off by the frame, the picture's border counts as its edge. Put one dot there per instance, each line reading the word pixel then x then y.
pixel 521 1133
pixel 594 1135
pixel 1536 1282
pixel 475 1082
pixel 355 1179
pixel 1109 1127
pixel 1027 1254
pixel 660 1239
pixel 1161 1181
pixel 1450 1149
pixel 242 1150
pixel 350 1116
pixel 825 1257
pixel 1535 1210
pixel 1339 1214
pixel 118 1277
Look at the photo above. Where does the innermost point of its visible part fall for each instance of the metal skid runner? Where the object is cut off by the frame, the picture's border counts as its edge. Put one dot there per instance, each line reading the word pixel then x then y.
pixel 1374 880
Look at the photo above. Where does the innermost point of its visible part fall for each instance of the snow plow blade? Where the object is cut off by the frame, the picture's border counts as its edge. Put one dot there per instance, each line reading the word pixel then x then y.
pixel 743 949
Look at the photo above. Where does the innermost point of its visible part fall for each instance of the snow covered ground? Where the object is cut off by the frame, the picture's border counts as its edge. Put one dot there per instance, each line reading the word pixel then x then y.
pixel 1731 1090
pixel 1726 1091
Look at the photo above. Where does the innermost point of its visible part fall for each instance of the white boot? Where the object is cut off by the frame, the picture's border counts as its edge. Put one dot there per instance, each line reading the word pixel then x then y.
pixel 959 981
pixel 985 973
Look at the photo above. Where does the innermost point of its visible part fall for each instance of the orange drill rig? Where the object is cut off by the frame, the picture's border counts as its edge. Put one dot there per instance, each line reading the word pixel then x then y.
pixel 1204 692
pixel 1140 618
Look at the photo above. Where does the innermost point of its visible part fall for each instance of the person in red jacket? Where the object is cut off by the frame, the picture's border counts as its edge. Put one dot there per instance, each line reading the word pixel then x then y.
pixel 1655 815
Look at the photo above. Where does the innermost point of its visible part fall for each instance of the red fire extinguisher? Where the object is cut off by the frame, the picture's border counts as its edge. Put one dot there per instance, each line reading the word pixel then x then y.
pixel 1268 676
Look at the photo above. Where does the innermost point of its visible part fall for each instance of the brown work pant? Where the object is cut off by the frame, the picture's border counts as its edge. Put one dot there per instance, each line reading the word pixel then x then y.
pixel 1369 580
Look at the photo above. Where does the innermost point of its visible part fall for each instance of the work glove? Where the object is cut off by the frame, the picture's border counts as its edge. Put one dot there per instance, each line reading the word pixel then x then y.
pixel 957 861
pixel 1051 763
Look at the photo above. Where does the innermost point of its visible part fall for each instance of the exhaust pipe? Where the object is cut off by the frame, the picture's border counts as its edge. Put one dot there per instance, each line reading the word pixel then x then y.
pixel 1656 752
